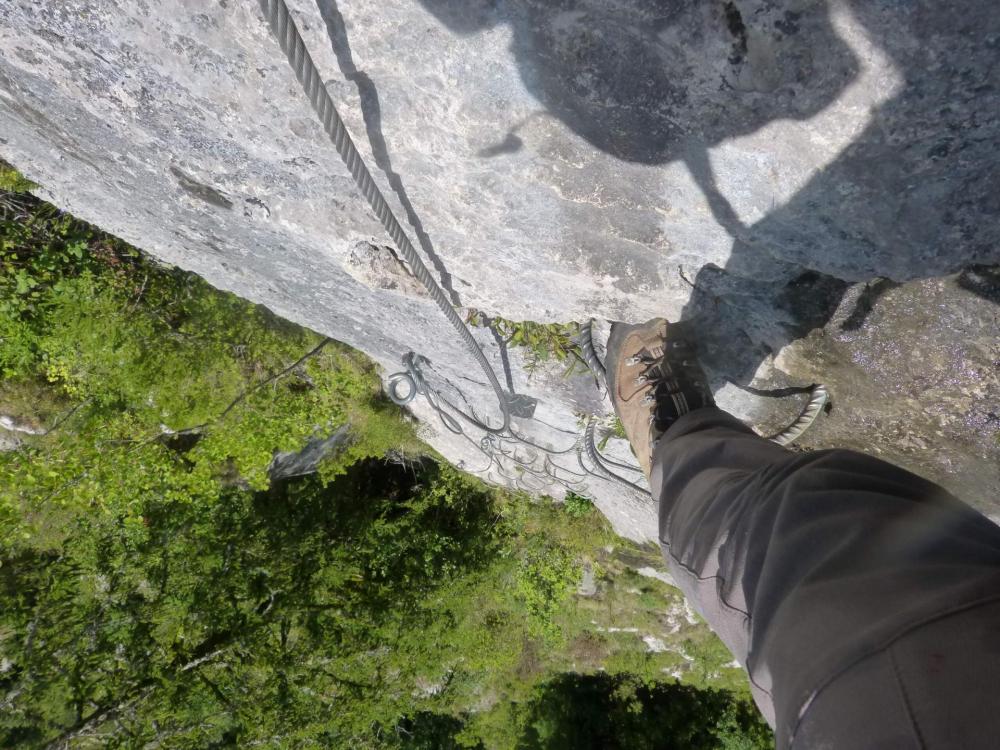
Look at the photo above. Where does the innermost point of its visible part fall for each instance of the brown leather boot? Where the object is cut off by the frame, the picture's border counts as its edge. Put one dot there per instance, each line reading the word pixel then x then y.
pixel 653 380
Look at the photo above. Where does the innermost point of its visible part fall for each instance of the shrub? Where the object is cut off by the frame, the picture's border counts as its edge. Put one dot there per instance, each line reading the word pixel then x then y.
pixel 192 389
pixel 577 505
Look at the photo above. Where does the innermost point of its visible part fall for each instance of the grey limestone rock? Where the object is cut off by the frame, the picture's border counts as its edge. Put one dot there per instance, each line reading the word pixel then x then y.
pixel 380 267
pixel 813 182
pixel 308 459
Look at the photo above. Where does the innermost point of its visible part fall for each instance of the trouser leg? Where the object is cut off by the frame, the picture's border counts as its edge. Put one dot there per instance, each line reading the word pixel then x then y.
pixel 813 567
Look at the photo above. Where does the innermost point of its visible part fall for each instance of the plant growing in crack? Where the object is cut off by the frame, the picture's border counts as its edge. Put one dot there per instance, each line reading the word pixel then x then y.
pixel 544 342
pixel 612 428
pixel 12 181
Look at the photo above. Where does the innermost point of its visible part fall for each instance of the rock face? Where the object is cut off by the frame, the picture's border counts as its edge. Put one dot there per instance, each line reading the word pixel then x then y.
pixel 815 182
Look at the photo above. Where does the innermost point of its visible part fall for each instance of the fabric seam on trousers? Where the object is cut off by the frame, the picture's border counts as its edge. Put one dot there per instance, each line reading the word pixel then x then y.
pixel 697 577
pixel 906 698
pixel 825 683
pixel 746 615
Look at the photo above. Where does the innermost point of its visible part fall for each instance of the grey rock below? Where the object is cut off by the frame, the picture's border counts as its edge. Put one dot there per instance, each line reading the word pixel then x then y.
pixel 13 424
pixel 754 166
pixel 11 431
pixel 588 582
pixel 307 460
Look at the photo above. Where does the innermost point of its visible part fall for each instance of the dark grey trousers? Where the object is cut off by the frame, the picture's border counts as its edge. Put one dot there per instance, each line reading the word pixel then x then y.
pixel 863 601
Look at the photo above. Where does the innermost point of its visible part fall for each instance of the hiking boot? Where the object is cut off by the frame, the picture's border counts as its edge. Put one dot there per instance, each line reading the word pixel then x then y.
pixel 653 380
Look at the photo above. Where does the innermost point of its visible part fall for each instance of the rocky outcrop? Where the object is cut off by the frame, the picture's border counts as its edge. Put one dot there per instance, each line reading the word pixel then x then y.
pixel 307 460
pixel 814 182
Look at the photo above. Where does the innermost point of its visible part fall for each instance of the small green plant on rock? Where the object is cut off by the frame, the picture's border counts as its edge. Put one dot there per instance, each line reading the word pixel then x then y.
pixel 577 505
pixel 544 341
pixel 615 429
pixel 12 181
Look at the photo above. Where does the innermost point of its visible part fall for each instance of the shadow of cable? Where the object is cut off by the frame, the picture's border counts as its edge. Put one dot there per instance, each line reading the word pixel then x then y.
pixel 371 109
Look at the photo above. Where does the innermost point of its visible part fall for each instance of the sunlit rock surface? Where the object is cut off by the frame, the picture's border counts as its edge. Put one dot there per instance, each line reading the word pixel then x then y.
pixel 814 183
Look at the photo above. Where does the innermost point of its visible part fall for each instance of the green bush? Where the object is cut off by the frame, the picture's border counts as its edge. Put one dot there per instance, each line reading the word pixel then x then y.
pixel 160 590
pixel 12 181
pixel 544 342
pixel 577 505
pixel 546 577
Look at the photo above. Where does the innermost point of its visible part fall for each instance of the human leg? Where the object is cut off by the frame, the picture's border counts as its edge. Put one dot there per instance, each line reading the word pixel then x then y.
pixel 820 569
pixel 823 572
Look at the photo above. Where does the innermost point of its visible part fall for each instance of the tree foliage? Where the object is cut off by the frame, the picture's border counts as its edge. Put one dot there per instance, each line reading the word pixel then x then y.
pixel 147 367
pixel 612 712
pixel 261 618
pixel 158 589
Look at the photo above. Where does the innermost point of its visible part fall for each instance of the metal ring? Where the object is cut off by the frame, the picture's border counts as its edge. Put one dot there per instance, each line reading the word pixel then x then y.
pixel 394 382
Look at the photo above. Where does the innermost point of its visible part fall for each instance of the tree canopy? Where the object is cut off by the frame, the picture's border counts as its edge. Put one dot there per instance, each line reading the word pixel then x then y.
pixel 159 588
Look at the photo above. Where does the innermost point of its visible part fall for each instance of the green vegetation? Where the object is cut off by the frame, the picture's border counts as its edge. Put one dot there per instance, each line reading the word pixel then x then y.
pixel 613 429
pixel 619 711
pixel 578 506
pixel 544 342
pixel 342 615
pixel 12 181
pixel 150 368
pixel 158 588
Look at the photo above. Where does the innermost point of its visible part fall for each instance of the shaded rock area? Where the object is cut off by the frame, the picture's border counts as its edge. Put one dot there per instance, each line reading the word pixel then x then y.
pixel 918 382
pixel 813 183
pixel 12 429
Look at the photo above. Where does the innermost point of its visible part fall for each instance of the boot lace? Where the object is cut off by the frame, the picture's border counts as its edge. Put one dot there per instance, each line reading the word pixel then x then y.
pixel 670 375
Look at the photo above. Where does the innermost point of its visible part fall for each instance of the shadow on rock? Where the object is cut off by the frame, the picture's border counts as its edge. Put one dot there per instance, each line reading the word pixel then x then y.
pixel 371 109
pixel 915 195
pixel 641 79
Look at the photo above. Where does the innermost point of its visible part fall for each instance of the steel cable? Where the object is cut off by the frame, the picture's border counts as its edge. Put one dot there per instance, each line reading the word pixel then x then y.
pixel 283 27
pixel 287 34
